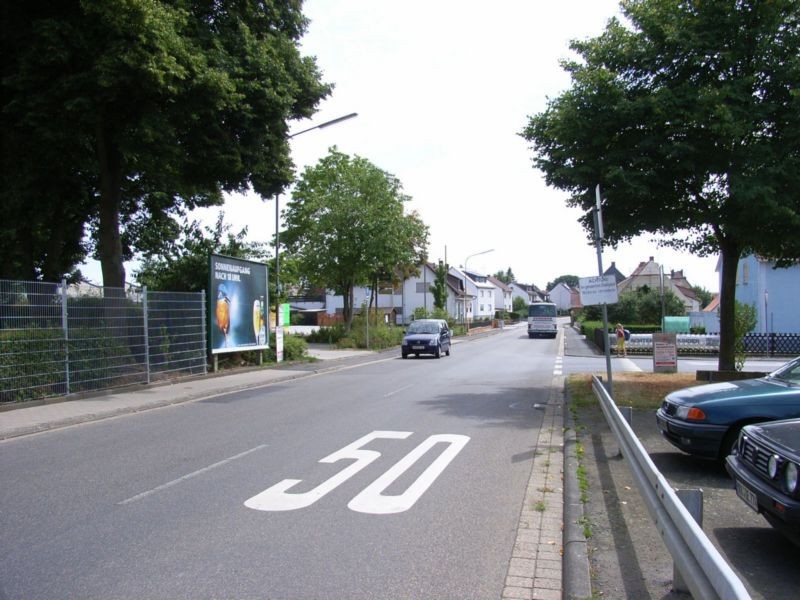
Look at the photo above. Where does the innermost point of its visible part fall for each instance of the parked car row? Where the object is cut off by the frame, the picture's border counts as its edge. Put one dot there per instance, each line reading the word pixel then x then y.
pixel 751 426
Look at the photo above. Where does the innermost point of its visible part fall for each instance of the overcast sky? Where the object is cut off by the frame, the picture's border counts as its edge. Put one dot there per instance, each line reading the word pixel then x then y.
pixel 442 89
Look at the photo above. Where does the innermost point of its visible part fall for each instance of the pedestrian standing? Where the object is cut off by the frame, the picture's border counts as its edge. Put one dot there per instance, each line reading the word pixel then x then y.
pixel 621 351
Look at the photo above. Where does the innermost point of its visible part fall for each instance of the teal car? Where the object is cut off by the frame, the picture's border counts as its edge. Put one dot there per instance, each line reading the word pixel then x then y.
pixel 705 420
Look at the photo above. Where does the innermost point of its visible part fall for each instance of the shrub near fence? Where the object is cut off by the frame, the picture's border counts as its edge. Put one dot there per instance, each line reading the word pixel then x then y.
pixel 57 339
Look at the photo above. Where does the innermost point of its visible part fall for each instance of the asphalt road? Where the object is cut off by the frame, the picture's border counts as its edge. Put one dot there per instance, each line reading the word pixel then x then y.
pixel 399 479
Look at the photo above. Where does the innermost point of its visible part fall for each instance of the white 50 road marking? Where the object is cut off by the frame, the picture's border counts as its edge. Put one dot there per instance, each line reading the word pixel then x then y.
pixel 371 500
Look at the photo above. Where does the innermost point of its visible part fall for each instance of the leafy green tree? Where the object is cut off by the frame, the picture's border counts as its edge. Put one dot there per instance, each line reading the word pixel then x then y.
pixel 703 295
pixel 506 276
pixel 641 306
pixel 439 287
pixel 183 266
pixel 157 106
pixel 345 223
pixel 570 280
pixel 688 117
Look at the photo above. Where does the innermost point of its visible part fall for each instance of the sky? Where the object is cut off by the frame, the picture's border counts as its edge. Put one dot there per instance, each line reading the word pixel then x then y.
pixel 442 89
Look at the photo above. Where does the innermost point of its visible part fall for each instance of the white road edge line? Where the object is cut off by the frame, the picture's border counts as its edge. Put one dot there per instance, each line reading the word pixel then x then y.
pixel 189 476
pixel 397 391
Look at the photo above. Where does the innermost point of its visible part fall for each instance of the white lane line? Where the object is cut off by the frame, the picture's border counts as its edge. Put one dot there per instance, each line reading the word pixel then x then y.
pixel 559 366
pixel 189 475
pixel 397 391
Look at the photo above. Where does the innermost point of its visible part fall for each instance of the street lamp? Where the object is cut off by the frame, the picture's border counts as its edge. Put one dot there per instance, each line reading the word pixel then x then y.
pixel 466 320
pixel 279 346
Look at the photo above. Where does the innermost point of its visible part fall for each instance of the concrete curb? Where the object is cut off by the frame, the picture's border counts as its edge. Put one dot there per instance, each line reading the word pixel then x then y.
pixel 577 574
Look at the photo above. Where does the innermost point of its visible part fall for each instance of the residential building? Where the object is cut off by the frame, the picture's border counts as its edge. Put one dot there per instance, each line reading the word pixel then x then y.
pixel 529 293
pixel 649 274
pixel 479 294
pixel 772 291
pixel 503 296
pixel 561 296
pixel 613 270
pixel 417 292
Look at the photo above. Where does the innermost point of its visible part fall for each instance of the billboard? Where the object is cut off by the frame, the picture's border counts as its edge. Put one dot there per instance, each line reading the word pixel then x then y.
pixel 238 306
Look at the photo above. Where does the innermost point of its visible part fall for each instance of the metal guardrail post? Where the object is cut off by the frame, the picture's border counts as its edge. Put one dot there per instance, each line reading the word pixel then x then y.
pixel 701 566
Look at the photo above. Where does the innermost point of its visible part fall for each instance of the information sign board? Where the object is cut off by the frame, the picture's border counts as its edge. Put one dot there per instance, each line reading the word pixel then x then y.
pixel 598 290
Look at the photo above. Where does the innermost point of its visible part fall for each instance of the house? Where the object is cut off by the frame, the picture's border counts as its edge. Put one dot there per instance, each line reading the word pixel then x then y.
pixel 417 292
pixel 503 296
pixel 529 293
pixel 561 296
pixel 325 308
pixel 772 291
pixel 650 274
pixel 613 270
pixel 480 294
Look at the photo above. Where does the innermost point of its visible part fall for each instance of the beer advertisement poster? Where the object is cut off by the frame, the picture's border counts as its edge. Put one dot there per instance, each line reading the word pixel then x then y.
pixel 238 305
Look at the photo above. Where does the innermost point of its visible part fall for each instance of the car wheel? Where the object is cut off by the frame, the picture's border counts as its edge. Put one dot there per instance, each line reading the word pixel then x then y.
pixel 447 352
pixel 405 354
pixel 530 336
pixel 728 442
pixel 438 352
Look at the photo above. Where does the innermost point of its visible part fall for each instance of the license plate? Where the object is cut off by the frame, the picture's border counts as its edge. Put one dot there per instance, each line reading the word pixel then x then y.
pixel 748 495
pixel 418 347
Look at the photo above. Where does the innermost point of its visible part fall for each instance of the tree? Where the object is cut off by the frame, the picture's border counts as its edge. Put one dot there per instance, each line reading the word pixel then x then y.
pixel 570 280
pixel 158 106
pixel 703 295
pixel 439 287
pixel 641 306
pixel 505 276
pixel 345 224
pixel 689 119
pixel 183 267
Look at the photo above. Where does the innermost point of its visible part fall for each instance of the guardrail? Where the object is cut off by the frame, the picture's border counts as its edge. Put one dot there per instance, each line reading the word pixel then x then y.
pixel 702 567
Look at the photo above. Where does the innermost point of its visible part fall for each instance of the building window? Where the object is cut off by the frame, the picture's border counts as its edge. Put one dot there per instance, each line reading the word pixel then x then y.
pixel 421 287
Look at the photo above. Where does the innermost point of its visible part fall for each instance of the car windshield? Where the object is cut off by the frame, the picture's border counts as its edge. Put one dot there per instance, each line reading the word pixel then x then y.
pixel 418 327
pixel 789 373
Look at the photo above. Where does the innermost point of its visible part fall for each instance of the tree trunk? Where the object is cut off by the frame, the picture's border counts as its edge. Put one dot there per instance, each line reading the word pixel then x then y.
pixel 727 305
pixel 109 243
pixel 347 310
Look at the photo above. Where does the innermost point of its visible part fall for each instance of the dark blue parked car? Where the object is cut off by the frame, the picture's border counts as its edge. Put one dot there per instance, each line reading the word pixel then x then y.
pixel 705 420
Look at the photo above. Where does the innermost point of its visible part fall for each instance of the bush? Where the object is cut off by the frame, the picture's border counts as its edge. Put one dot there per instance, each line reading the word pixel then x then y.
pixel 381 336
pixel 327 335
pixel 295 347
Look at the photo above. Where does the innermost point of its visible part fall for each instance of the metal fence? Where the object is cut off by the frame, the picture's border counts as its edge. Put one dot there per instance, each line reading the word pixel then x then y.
pixel 772 344
pixel 60 339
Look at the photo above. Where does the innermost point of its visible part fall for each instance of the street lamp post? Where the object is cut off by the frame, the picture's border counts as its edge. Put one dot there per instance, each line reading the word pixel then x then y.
pixel 466 319
pixel 279 345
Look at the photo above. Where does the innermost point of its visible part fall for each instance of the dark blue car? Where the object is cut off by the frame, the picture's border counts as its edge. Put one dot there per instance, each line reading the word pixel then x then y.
pixel 426 336
pixel 766 469
pixel 705 420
